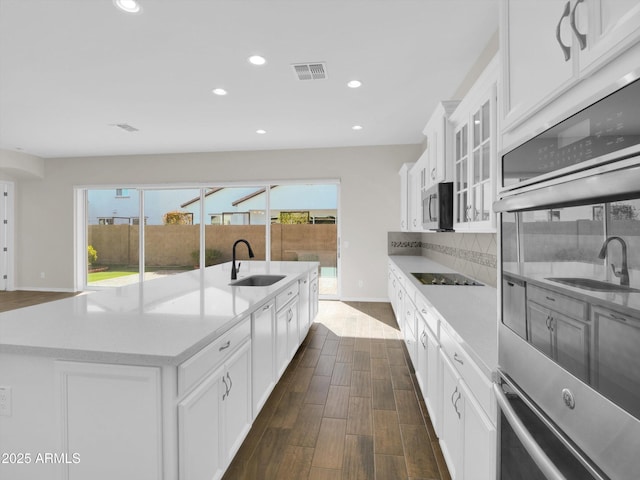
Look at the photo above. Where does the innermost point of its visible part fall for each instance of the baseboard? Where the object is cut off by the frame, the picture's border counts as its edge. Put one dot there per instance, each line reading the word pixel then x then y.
pixel 50 289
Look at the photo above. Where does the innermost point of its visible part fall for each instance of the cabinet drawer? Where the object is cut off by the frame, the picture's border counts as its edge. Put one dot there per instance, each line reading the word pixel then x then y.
pixel 210 357
pixel 557 301
pixel 478 383
pixel 283 298
pixel 425 311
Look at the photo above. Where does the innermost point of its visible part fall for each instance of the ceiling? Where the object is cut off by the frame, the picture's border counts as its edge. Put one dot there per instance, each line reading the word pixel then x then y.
pixel 72 69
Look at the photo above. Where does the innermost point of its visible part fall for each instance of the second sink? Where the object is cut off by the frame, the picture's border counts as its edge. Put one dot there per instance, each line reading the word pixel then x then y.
pixel 595 285
pixel 257 281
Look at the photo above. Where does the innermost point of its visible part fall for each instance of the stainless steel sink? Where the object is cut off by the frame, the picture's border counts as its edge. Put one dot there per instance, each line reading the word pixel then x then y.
pixel 591 284
pixel 257 281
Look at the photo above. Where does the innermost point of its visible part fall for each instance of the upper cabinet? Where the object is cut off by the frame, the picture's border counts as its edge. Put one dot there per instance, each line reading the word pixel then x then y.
pixel 437 164
pixel 404 196
pixel 548 46
pixel 474 154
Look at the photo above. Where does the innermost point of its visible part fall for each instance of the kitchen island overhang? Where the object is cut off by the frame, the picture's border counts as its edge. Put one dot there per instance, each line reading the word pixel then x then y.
pixel 160 380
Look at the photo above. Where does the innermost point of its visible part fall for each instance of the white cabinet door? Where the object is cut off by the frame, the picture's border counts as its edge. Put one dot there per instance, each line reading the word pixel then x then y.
pixel 293 338
pixel 415 195
pixel 304 307
pixel 404 196
pixel 479 450
pixel 235 412
pixel 263 344
pixel 314 293
pixel 538 40
pixel 433 399
pixel 199 430
pixel 451 438
pixel 422 355
pixel 611 27
pixel 110 412
pixel 474 154
pixel 439 143
pixel 282 358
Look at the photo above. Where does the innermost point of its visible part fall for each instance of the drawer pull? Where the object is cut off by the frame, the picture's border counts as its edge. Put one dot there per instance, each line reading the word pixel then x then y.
pixel 617 317
pixel 551 299
pixel 225 346
pixel 266 307
pixel 230 384
pixel 457 359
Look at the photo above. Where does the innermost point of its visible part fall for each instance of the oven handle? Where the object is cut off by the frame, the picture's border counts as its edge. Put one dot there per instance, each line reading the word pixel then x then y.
pixel 537 454
pixel 591 189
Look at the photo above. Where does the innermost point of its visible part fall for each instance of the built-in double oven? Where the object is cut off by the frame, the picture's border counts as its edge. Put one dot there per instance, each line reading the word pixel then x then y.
pixel 568 386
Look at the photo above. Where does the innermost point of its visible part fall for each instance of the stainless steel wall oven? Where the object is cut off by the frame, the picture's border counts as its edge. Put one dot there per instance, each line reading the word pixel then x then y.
pixel 569 339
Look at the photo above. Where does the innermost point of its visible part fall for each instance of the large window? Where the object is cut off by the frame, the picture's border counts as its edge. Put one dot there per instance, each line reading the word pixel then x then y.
pixel 298 222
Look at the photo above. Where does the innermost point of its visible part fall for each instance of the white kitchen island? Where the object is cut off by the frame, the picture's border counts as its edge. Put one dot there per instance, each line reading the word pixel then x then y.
pixel 158 380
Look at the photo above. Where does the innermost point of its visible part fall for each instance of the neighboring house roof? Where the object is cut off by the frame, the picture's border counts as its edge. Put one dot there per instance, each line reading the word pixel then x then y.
pixel 252 195
pixel 197 199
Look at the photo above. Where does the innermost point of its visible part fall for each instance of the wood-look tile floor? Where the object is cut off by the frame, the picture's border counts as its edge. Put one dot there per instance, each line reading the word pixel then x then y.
pixel 346 407
pixel 10 300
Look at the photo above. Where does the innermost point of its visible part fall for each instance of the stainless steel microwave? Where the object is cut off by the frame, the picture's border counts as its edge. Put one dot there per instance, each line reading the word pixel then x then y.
pixel 437 207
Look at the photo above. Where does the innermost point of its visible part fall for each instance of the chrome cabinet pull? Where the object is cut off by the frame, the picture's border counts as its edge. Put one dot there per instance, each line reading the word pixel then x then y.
pixel 566 50
pixel 230 383
pixel 455 404
pixel 453 395
pixel 226 389
pixel 457 359
pixel 551 299
pixel 616 317
pixel 266 307
pixel 225 346
pixel 582 38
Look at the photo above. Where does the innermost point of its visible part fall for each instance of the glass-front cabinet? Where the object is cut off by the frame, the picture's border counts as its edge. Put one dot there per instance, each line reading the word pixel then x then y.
pixel 474 154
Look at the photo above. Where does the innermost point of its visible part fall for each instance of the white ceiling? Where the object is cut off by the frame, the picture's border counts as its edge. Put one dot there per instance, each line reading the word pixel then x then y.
pixel 70 69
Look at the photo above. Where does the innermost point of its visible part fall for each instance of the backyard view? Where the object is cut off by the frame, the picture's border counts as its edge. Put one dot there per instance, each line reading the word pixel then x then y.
pixel 302 221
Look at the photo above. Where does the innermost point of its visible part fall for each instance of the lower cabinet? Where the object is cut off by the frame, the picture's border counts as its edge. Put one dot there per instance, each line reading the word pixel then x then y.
pixel 109 412
pixel 286 335
pixel 468 437
pixel 428 371
pixel 263 338
pixel 215 417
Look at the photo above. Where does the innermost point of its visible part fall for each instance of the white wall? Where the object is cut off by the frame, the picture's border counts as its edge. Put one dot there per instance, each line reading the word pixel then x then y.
pixel 370 192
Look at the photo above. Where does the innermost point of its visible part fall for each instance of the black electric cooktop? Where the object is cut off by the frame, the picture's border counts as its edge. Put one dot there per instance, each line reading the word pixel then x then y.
pixel 453 279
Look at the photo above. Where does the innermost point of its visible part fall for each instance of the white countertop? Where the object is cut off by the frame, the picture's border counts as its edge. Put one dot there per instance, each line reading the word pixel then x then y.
pixel 157 322
pixel 470 312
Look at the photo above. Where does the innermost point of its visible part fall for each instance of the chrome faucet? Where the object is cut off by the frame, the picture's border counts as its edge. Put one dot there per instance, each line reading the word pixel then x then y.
pixel 623 273
pixel 234 270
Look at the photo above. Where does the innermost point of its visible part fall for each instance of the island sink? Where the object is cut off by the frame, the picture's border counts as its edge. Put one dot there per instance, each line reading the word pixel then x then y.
pixel 257 281
pixel 595 285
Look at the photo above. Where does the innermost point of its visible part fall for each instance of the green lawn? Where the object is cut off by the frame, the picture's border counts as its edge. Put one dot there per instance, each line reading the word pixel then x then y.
pixel 99 276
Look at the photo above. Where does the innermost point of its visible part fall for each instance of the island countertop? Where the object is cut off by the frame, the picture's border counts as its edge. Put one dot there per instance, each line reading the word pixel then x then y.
pixel 157 322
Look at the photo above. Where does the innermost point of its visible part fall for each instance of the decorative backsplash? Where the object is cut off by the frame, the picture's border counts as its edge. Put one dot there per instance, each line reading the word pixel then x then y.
pixel 472 254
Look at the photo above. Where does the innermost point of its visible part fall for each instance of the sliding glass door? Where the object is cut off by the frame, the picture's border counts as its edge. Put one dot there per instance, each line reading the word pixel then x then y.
pixel 288 222
pixel 113 233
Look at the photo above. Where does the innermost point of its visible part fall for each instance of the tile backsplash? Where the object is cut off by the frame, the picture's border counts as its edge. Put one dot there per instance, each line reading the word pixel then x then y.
pixel 472 254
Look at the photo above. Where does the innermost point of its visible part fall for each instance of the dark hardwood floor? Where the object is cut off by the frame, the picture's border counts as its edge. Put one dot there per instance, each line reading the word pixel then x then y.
pixel 346 408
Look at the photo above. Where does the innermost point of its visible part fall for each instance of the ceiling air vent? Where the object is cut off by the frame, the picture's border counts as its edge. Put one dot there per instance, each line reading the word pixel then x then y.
pixel 310 71
pixel 125 126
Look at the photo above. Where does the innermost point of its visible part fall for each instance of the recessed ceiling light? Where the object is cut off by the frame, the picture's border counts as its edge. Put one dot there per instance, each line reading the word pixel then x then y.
pixel 261 131
pixel 219 91
pixel 357 127
pixel 129 6
pixel 257 60
pixel 354 84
